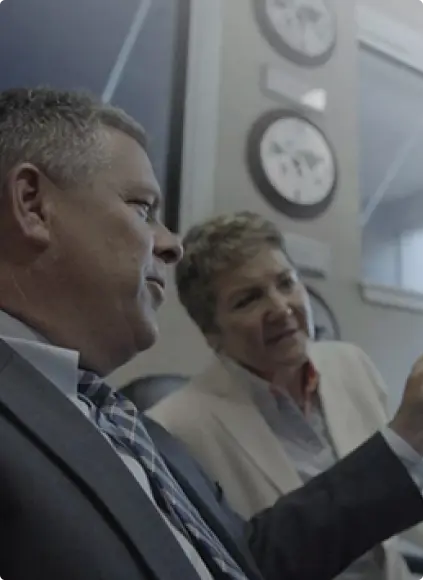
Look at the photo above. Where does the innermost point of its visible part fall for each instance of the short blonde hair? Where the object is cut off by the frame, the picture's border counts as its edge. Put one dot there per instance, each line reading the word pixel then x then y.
pixel 214 247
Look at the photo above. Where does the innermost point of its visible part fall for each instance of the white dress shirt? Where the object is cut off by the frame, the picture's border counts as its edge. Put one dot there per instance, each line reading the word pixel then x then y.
pixel 60 367
pixel 307 441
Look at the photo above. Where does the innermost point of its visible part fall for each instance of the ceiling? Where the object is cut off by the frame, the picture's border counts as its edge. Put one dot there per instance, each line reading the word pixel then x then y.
pixel 390 115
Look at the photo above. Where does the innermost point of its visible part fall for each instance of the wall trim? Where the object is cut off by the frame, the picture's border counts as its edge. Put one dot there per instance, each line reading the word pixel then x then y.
pixel 201 112
pixel 390 296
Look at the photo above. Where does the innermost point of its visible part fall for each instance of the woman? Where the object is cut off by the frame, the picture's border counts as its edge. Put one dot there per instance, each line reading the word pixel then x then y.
pixel 274 409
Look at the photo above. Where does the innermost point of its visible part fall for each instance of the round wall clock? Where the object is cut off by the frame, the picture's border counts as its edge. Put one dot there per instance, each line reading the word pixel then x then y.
pixel 292 164
pixel 326 326
pixel 302 30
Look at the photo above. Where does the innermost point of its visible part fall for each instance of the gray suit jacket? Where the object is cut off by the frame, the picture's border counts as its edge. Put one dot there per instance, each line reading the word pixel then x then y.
pixel 69 509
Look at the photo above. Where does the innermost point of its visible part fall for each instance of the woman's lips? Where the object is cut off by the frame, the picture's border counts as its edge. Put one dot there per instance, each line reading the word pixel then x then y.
pixel 281 336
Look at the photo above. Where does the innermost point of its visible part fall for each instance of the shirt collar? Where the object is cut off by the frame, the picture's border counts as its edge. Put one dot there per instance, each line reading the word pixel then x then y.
pixel 261 390
pixel 257 388
pixel 58 365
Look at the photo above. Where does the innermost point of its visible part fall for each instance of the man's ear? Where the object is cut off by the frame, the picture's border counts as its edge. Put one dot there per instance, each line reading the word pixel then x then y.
pixel 26 189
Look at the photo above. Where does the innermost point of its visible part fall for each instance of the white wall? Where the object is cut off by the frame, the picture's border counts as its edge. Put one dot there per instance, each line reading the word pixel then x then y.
pixel 381 254
pixel 408 12
pixel 392 338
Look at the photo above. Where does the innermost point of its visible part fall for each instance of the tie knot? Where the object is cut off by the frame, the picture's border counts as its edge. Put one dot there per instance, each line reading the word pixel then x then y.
pixel 93 388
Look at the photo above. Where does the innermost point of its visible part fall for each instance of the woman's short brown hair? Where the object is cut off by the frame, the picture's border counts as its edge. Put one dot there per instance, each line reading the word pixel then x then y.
pixel 213 247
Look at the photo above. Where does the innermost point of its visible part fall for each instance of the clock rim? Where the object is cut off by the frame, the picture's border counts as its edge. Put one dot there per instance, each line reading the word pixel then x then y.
pixel 283 48
pixel 335 324
pixel 260 179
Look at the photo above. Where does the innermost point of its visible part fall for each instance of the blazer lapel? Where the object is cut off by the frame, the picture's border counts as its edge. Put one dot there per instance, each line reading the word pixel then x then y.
pixel 345 423
pixel 55 424
pixel 239 417
pixel 348 430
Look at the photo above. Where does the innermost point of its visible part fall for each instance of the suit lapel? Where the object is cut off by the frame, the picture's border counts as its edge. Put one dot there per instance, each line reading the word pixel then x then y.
pixel 239 417
pixel 75 445
pixel 197 488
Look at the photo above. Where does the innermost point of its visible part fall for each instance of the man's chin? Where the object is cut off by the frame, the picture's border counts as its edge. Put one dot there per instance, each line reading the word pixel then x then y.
pixel 149 337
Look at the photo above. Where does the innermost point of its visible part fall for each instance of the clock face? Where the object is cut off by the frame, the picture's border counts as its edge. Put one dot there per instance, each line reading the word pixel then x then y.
pixel 303 30
pixel 325 324
pixel 292 164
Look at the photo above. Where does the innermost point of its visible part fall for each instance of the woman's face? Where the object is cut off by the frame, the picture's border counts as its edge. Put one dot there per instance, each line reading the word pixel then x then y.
pixel 263 314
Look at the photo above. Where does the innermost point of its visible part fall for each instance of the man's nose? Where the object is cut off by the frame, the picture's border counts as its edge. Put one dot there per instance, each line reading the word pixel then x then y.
pixel 168 246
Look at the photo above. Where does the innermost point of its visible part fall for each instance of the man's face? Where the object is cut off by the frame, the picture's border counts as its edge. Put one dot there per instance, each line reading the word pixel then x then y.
pixel 110 252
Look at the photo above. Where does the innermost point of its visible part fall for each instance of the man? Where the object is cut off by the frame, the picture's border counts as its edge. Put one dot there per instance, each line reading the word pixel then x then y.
pixel 84 490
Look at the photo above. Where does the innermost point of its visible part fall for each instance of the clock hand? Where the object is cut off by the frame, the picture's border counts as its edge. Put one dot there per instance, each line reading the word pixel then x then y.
pixel 281 3
pixel 308 14
pixel 297 165
pixel 284 169
pixel 276 149
pixel 311 159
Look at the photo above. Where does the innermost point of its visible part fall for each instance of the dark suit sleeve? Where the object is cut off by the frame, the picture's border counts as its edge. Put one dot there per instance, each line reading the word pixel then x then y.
pixel 318 530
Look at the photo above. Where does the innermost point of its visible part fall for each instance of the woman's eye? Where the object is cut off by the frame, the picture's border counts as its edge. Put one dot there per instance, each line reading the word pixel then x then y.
pixel 245 301
pixel 287 283
pixel 242 303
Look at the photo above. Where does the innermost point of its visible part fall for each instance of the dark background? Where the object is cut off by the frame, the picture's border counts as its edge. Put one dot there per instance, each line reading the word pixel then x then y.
pixel 75 43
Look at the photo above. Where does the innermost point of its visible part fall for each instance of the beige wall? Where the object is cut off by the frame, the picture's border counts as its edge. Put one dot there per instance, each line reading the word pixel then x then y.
pixel 392 338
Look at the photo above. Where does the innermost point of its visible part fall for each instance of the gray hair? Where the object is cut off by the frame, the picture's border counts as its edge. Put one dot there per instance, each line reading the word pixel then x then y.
pixel 215 247
pixel 60 132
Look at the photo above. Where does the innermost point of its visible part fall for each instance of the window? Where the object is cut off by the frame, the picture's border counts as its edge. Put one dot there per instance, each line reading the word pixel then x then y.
pixel 132 52
pixel 391 171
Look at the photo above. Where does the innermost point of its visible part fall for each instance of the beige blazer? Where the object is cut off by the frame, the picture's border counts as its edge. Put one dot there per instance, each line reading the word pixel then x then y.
pixel 216 418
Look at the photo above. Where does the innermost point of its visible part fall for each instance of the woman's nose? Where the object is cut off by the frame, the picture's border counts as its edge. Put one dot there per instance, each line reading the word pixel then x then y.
pixel 279 306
